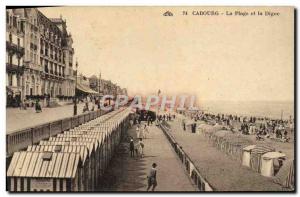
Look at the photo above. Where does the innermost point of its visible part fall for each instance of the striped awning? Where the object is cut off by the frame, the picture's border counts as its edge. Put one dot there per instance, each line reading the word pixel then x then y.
pixel 86 89
pixel 262 149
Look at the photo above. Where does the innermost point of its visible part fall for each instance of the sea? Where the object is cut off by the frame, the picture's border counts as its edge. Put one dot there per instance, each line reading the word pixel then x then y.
pixel 270 109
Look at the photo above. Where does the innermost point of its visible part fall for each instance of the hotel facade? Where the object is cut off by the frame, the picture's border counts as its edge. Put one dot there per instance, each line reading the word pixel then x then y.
pixel 39 57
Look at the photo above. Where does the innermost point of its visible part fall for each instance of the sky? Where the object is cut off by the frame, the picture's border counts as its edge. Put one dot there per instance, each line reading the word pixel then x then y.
pixel 234 58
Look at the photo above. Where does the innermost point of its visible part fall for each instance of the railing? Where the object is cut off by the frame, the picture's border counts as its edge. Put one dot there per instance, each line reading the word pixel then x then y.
pixel 21 139
pixel 194 173
pixel 15 48
pixel 14 68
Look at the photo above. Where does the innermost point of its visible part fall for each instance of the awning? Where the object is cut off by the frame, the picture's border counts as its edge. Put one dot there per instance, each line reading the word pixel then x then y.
pixel 86 89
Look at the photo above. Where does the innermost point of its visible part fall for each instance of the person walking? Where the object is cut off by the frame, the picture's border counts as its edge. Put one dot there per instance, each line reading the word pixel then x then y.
pixel 146 131
pixel 131 122
pixel 38 108
pixel 131 147
pixel 137 131
pixel 152 182
pixel 141 148
pixel 142 131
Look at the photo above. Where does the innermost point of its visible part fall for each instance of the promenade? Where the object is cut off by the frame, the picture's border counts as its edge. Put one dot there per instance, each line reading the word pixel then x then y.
pixel 18 119
pixel 222 173
pixel 129 174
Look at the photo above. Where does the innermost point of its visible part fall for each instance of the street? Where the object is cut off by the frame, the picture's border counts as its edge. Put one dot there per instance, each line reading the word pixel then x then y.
pixel 17 119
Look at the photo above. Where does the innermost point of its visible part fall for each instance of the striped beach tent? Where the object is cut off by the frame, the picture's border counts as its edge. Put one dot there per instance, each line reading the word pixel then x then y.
pixel 256 153
pixel 286 175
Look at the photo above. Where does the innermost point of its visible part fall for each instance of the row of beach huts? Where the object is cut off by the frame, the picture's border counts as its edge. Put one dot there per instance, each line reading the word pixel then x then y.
pixel 74 160
pixel 259 156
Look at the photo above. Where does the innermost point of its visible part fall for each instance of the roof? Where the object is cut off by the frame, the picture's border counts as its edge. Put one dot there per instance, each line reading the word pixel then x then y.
pixel 57 20
pixel 80 149
pixel 32 164
pixel 250 147
pixel 88 145
pixel 97 137
pixel 273 155
pixel 76 139
pixel 85 89
pixel 262 149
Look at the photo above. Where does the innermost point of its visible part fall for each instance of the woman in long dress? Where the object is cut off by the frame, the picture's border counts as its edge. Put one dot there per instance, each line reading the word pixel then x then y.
pixel 138 131
pixel 146 131
pixel 141 148
pixel 142 132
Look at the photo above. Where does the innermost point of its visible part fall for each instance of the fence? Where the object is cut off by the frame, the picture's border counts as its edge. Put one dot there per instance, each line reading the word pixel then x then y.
pixel 29 136
pixel 194 173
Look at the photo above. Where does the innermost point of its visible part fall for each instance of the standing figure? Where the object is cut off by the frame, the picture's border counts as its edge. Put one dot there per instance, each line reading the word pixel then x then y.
pixel 146 131
pixel 141 148
pixel 152 177
pixel 142 132
pixel 131 122
pixel 138 131
pixel 38 108
pixel 131 147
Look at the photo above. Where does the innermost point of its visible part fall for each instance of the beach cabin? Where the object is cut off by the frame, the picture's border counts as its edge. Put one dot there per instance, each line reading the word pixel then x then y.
pixel 43 172
pixel 80 149
pixel 271 163
pixel 256 154
pixel 247 155
pixel 88 185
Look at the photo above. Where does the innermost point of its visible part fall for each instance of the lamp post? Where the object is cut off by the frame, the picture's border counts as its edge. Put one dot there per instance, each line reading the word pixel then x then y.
pixel 75 100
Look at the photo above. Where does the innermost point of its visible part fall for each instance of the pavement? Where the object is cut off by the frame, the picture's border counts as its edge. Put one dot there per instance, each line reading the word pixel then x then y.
pixel 221 172
pixel 17 119
pixel 129 174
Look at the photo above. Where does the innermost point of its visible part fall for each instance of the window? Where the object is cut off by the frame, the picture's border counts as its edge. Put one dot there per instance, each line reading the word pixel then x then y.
pixel 10 38
pixel 14 21
pixel 7 17
pixel 10 60
pixel 18 42
pixel 22 26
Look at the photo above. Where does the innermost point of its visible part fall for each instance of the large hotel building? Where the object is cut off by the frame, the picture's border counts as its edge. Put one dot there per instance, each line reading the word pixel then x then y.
pixel 39 56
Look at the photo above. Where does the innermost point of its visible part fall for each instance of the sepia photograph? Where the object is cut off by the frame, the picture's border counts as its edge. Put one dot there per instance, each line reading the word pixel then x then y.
pixel 150 99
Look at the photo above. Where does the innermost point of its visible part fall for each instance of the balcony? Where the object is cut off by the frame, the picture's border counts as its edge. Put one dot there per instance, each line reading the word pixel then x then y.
pixel 12 68
pixel 13 48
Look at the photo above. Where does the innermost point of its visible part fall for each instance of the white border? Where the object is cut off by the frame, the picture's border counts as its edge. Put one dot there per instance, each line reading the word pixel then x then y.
pixel 111 3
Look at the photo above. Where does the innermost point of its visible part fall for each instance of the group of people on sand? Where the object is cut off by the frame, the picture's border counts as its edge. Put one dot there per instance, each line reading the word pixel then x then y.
pixel 261 127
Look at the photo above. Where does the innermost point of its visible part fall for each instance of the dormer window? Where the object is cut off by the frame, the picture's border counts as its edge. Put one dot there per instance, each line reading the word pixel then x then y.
pixel 47 156
pixel 58 148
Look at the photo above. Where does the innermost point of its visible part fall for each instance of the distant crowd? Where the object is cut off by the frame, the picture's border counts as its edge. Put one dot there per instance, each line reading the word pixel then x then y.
pixel 261 127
